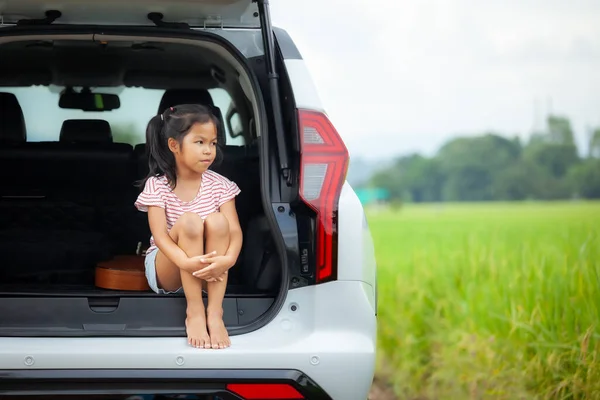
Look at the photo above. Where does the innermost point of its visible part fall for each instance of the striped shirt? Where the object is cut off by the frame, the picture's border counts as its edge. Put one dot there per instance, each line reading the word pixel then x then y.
pixel 215 190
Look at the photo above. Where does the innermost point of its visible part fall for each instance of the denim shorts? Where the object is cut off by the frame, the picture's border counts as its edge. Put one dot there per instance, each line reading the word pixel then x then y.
pixel 150 264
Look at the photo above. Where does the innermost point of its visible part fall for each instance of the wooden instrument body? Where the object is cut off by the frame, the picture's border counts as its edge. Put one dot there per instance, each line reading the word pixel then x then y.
pixel 122 273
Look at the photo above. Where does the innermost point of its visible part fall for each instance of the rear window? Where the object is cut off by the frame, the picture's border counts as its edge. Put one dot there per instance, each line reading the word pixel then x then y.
pixel 44 118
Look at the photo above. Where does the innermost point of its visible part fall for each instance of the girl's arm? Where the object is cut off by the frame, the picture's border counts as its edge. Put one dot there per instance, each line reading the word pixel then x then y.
pixel 158 226
pixel 218 265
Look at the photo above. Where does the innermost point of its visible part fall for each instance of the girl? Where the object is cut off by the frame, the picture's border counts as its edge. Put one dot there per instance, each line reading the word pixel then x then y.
pixel 196 235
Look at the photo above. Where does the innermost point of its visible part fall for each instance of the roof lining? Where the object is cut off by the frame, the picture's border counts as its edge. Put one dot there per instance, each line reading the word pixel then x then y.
pixel 235 72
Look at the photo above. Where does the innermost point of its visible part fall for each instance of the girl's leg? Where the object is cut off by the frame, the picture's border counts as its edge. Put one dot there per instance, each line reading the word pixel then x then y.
pixel 188 233
pixel 216 229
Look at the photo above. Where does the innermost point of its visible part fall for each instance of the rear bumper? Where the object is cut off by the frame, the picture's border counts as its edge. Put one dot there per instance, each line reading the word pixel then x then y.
pixel 326 332
pixel 124 383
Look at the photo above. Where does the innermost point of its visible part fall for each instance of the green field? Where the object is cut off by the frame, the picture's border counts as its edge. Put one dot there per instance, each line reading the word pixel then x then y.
pixel 498 301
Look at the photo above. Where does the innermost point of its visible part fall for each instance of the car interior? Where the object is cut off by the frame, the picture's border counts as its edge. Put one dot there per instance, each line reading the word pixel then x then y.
pixel 69 185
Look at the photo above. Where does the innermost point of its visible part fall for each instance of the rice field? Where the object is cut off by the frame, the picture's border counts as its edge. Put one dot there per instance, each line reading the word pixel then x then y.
pixel 489 301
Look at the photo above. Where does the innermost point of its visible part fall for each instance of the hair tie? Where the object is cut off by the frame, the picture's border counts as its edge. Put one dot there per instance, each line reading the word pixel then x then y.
pixel 161 117
pixel 171 109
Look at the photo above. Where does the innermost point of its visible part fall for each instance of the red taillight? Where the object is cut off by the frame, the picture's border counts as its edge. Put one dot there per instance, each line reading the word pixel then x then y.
pixel 264 391
pixel 324 163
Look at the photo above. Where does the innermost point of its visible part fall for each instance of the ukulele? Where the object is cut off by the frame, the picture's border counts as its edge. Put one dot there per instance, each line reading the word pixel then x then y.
pixel 124 272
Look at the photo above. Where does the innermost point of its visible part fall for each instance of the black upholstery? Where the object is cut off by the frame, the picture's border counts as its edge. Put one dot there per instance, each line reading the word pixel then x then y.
pixel 12 122
pixel 86 131
pixel 68 205
pixel 173 97
pixel 54 169
pixel 56 215
pixel 51 256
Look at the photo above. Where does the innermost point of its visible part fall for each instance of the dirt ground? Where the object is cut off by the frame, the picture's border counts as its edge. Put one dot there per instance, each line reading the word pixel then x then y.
pixel 380 390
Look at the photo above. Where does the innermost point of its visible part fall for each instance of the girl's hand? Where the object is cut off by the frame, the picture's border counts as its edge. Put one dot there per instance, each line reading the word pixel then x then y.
pixel 218 266
pixel 195 263
pixel 219 279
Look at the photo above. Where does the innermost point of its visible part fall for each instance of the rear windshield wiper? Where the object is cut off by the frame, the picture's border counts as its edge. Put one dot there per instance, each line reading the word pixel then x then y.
pixel 51 16
pixel 157 18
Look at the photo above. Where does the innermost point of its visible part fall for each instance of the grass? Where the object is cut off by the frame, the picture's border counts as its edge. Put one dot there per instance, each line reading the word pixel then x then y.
pixel 498 301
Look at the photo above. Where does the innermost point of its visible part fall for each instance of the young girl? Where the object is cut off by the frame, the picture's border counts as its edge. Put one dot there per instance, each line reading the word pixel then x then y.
pixel 196 235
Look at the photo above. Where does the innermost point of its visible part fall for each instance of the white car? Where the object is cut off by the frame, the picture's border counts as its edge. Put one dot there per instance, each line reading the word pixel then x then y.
pixel 79 81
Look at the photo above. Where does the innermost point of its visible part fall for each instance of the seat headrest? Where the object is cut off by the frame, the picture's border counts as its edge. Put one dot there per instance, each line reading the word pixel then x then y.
pixel 173 97
pixel 12 121
pixel 86 131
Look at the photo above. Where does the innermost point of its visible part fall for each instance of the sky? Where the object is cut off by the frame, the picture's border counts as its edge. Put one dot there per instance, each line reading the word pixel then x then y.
pixel 400 76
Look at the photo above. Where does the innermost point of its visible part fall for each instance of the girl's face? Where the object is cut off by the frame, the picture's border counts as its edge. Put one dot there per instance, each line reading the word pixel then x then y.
pixel 197 150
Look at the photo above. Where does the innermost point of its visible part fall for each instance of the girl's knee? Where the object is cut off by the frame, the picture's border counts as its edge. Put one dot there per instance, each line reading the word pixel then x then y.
pixel 190 225
pixel 217 224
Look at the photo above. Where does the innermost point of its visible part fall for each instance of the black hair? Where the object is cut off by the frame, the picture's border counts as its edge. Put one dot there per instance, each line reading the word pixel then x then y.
pixel 175 122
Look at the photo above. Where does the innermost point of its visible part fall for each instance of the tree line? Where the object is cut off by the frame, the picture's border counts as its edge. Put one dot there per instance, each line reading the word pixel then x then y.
pixel 491 167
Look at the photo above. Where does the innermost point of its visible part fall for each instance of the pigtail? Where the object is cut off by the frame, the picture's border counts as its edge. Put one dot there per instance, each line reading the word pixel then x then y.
pixel 161 160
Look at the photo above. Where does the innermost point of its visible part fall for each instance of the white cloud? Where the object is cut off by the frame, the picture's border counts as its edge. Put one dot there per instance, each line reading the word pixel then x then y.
pixel 402 75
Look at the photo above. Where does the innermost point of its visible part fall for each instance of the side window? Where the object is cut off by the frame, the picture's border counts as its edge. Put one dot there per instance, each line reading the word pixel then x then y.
pixel 234 129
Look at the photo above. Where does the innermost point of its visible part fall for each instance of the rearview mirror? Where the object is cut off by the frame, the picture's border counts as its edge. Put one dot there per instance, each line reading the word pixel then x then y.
pixel 88 101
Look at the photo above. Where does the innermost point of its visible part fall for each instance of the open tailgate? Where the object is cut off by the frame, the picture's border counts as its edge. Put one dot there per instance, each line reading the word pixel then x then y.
pixel 199 13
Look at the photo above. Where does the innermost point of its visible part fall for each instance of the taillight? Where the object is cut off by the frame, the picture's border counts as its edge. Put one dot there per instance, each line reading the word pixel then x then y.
pixel 323 166
pixel 264 391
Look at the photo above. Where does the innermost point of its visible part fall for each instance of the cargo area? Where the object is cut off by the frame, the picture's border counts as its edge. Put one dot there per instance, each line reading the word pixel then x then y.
pixel 69 181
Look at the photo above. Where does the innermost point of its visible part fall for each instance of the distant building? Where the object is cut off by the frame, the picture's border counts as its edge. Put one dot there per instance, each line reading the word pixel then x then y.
pixel 372 196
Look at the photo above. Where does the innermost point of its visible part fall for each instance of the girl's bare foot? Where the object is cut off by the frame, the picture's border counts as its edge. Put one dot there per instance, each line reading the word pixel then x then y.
pixel 219 338
pixel 195 326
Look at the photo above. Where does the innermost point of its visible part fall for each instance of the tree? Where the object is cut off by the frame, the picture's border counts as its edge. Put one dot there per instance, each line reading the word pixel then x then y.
pixel 391 180
pixel 559 130
pixel 411 178
pixel 594 145
pixel 585 178
pixel 422 179
pixel 493 167
pixel 516 182
pixel 554 158
pixel 473 164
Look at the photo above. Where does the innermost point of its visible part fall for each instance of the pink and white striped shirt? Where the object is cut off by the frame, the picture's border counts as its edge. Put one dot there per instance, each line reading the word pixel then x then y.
pixel 215 190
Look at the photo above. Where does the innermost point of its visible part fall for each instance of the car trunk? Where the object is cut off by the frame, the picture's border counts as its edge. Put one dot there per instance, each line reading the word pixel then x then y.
pixel 68 207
